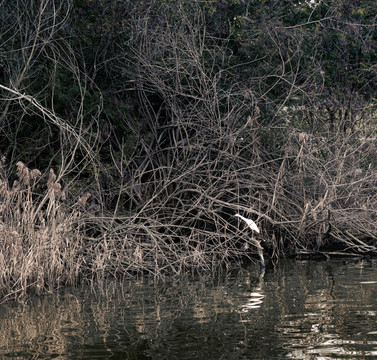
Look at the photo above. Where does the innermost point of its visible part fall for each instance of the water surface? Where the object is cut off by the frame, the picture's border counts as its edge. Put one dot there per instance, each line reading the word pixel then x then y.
pixel 297 310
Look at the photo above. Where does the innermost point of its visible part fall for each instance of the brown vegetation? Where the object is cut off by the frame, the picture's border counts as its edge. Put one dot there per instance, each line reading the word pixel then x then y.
pixel 41 246
pixel 174 118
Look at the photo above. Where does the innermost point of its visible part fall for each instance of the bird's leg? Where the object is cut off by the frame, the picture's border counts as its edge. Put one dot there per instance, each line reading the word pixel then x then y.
pixel 260 253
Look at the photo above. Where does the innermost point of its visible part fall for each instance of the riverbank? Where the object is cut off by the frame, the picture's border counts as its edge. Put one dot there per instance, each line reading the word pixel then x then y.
pixel 50 242
pixel 132 132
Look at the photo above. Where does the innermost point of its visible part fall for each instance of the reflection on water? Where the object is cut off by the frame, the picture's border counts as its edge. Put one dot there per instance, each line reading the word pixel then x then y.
pixel 254 299
pixel 298 310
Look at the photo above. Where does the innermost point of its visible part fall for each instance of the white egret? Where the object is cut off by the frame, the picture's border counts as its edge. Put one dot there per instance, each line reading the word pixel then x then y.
pixel 250 223
pixel 253 226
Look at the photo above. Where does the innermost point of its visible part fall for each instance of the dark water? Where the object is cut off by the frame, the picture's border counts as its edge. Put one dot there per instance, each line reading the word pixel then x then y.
pixel 298 310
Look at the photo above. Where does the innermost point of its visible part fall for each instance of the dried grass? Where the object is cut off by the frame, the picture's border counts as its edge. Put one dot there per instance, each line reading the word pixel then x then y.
pixel 41 243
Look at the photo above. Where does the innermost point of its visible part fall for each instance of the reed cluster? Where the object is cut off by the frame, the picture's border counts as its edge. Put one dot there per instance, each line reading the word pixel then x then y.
pixel 40 247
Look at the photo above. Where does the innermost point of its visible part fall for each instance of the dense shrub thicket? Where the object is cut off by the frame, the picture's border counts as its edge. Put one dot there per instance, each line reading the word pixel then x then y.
pixel 159 120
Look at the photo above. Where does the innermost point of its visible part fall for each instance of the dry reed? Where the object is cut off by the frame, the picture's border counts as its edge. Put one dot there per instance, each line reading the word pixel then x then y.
pixel 41 244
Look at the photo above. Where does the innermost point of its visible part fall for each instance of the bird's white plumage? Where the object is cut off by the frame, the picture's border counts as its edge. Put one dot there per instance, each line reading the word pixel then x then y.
pixel 250 223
